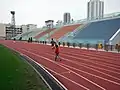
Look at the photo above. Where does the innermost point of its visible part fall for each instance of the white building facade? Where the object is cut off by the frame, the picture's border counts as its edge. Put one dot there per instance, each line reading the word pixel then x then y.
pixel 95 9
pixel 66 18
pixel 28 27
pixel 2 30
pixel 11 32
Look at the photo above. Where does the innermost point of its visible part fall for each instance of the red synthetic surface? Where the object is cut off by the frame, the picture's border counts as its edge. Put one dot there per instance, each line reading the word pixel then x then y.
pixel 79 69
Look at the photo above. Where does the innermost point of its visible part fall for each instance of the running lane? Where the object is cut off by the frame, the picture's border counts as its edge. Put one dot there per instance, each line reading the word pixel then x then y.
pixel 86 70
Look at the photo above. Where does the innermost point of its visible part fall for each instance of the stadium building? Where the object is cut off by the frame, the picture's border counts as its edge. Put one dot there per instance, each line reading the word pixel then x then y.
pixel 105 30
pixel 66 18
pixel 95 9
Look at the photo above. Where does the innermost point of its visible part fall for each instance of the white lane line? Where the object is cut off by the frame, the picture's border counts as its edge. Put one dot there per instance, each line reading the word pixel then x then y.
pixel 90 74
pixel 93 58
pixel 83 59
pixel 38 72
pixel 96 63
pixel 105 64
pixel 67 69
pixel 95 66
pixel 86 66
pixel 32 67
pixel 65 72
pixel 94 70
pixel 98 67
pixel 49 73
pixel 96 53
pixel 61 75
pixel 68 79
pixel 83 53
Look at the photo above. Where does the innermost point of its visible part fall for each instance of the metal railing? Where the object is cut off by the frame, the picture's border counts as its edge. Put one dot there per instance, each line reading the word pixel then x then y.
pixel 87 46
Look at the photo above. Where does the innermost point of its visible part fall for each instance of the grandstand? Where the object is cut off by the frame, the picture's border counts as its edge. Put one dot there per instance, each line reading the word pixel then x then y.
pixel 63 30
pixel 44 33
pixel 103 31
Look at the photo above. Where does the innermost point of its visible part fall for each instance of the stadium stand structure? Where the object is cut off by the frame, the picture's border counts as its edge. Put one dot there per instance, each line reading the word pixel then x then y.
pixel 64 30
pixel 98 31
pixel 44 33
pixel 70 35
pixel 106 30
pixel 26 35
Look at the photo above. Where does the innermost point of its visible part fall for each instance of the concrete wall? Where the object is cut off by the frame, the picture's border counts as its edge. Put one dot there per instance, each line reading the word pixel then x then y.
pixel 2 30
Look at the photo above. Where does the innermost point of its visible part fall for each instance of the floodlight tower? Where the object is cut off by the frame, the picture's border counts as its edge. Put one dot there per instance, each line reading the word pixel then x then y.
pixel 13 23
pixel 13 18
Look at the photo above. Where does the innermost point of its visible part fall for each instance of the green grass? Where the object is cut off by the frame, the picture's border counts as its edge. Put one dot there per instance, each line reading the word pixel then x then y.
pixel 16 74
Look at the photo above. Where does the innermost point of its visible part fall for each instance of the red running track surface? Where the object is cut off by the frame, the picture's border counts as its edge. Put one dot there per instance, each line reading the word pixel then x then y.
pixel 79 69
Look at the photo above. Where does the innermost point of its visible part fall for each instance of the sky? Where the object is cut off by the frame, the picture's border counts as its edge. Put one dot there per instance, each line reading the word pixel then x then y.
pixel 38 11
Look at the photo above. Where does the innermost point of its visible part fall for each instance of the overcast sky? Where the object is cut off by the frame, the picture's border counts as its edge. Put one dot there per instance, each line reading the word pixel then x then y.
pixel 37 11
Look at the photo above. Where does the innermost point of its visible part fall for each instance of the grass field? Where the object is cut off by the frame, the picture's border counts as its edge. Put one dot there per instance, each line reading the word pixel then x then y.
pixel 16 74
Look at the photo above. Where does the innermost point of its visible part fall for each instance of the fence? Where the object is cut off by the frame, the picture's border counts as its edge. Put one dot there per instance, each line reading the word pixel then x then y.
pixel 88 46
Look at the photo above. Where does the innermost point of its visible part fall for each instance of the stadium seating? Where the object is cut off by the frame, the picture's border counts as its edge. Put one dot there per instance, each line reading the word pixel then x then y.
pixel 64 30
pixel 26 35
pixel 43 33
pixel 70 35
pixel 97 31
pixel 101 30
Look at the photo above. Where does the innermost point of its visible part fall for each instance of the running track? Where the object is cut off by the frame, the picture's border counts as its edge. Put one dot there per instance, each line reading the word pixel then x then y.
pixel 79 69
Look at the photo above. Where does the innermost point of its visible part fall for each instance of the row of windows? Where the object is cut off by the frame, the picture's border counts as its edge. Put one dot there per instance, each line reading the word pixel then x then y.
pixel 95 9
